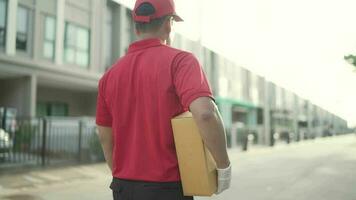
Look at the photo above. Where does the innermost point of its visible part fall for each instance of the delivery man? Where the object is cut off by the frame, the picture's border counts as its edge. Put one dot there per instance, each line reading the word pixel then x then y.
pixel 137 99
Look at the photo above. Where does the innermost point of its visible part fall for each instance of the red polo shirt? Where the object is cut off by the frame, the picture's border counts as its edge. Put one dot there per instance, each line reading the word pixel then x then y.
pixel 138 97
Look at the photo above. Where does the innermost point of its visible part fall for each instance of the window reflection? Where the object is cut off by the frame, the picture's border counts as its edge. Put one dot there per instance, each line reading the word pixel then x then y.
pixel 2 22
pixel 22 28
pixel 49 37
pixel 76 45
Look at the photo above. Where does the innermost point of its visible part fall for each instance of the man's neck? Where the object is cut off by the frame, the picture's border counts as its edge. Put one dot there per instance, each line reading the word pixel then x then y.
pixel 150 36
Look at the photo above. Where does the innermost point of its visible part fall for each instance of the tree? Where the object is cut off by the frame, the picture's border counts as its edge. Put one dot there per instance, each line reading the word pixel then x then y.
pixel 351 59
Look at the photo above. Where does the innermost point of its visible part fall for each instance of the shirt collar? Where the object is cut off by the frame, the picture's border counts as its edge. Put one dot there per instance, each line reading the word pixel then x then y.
pixel 144 44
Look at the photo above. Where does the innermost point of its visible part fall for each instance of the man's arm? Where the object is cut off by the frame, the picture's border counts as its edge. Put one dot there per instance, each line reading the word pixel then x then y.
pixel 194 92
pixel 211 127
pixel 106 140
pixel 208 119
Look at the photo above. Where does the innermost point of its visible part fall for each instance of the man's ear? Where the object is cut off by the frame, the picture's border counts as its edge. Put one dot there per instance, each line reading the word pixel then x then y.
pixel 167 26
pixel 137 32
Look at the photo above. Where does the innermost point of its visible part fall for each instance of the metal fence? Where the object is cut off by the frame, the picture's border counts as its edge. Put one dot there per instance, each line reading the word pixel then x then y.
pixel 50 141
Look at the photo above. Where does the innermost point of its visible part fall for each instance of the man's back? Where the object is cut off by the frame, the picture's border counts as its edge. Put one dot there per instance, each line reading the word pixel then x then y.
pixel 137 99
pixel 142 92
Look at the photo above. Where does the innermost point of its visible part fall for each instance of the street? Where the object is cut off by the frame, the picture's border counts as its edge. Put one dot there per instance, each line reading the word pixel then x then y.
pixel 321 169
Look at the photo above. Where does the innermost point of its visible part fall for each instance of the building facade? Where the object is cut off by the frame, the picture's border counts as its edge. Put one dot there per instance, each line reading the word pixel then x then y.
pixel 53 52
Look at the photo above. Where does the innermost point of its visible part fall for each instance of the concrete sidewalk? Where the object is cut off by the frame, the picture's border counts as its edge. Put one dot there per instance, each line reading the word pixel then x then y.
pixel 40 177
pixel 41 184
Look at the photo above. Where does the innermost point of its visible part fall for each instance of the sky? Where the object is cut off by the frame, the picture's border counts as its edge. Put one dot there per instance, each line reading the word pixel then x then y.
pixel 298 44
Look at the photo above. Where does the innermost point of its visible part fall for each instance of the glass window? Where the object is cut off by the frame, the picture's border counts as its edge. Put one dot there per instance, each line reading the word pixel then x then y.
pixel 58 109
pixel 76 45
pixel 2 22
pixel 82 58
pixel 44 109
pixel 22 28
pixel 70 35
pixel 49 37
pixel 69 55
pixel 279 98
pixel 260 116
pixel 48 50
pixel 82 39
pixel 50 28
pixel 254 89
pixel 41 109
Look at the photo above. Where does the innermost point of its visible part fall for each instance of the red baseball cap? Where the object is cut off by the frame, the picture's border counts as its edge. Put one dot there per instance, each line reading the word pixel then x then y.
pixel 162 8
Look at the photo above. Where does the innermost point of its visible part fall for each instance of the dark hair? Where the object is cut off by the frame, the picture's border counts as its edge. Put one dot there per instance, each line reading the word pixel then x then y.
pixel 146 9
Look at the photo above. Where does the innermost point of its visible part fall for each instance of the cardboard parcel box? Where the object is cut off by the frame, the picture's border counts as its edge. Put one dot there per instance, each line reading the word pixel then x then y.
pixel 196 165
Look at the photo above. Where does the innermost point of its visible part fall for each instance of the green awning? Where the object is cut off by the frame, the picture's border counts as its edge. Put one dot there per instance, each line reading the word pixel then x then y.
pixel 232 101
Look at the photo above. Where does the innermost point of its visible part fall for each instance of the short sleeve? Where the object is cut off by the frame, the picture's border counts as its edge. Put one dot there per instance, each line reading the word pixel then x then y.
pixel 189 79
pixel 103 115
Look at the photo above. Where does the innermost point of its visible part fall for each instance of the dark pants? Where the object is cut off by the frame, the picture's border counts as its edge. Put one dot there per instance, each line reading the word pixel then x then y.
pixel 138 190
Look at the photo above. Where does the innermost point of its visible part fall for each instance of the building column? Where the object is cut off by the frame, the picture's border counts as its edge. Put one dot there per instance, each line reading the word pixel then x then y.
pixel 309 119
pixel 252 123
pixel 215 74
pixel 252 118
pixel 36 33
pixel 33 95
pixel 20 93
pixel 225 110
pixel 28 95
pixel 98 26
pixel 267 116
pixel 295 117
pixel 59 32
pixel 11 28
pixel 116 30
pixel 124 26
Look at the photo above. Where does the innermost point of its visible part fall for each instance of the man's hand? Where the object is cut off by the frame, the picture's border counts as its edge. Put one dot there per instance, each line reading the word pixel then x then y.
pixel 224 179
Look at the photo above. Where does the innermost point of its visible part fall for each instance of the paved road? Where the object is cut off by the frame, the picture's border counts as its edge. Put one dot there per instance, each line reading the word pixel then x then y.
pixel 322 169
